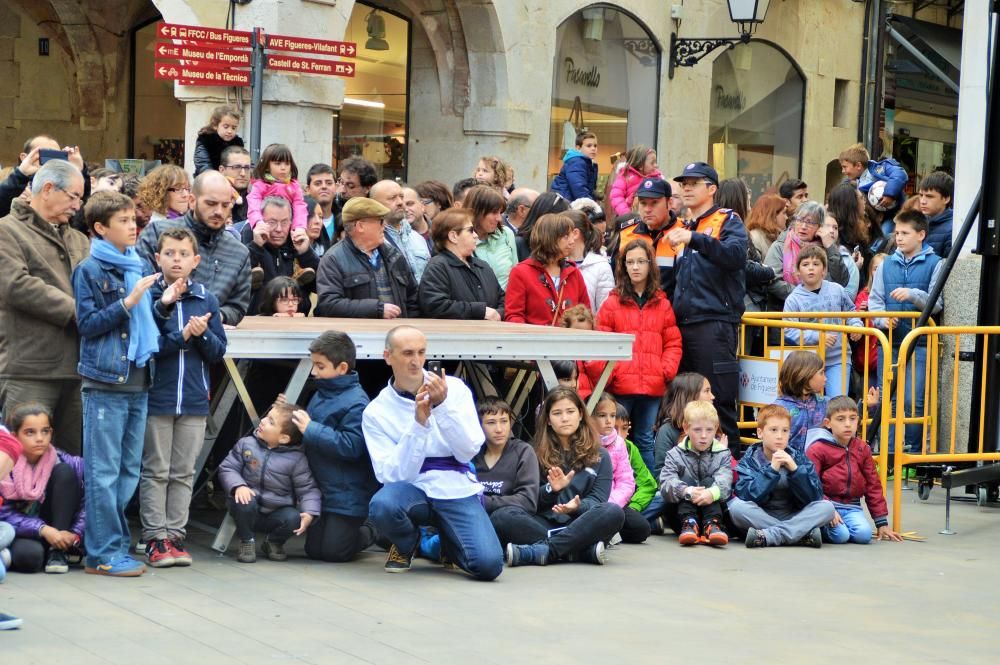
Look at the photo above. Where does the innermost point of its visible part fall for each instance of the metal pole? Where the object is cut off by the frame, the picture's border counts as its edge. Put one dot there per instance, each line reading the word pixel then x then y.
pixel 257 92
pixel 923 59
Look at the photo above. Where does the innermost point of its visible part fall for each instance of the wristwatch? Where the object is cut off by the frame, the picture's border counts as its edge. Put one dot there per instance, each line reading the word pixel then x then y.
pixel 687 494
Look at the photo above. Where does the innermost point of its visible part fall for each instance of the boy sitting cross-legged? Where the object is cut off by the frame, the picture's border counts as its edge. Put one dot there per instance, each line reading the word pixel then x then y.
pixel 847 472
pixel 697 477
pixel 779 500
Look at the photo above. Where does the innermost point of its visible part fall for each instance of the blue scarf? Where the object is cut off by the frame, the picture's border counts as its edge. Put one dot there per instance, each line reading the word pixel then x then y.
pixel 143 333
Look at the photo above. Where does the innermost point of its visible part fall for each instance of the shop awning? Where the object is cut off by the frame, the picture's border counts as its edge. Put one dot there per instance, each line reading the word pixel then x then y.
pixel 936 47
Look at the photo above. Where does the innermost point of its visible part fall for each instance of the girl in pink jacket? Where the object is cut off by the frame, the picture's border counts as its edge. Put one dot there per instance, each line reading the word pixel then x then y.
pixel 640 163
pixel 276 175
pixel 636 528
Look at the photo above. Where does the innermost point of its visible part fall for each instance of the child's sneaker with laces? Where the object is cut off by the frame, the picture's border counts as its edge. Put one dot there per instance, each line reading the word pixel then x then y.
pixel 527 555
pixel 274 551
pixel 56 563
pixel 248 551
pixel 755 538
pixel 689 533
pixel 159 554
pixel 124 566
pixel 181 556
pixel 714 534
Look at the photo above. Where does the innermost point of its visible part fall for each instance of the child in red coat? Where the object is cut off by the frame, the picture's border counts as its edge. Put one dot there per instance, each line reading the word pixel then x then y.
pixel 847 472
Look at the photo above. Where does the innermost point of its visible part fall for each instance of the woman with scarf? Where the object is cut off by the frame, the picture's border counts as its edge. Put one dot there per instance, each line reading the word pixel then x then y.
pixel 806 228
pixel 42 498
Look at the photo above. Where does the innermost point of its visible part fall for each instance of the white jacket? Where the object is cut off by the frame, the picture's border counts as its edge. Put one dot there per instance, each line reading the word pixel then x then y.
pixel 599 278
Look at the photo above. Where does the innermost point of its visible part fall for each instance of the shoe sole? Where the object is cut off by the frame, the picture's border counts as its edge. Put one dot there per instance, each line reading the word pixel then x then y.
pixel 56 570
pixel 688 539
pixel 271 556
pixel 105 573
pixel 397 570
pixel 182 562
pixel 600 556
pixel 11 624
pixel 161 563
pixel 246 560
pixel 718 542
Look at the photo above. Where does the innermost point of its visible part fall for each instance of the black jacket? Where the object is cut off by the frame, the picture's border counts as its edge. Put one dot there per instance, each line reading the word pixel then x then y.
pixel 758 276
pixel 277 262
pixel 453 289
pixel 208 150
pixel 346 283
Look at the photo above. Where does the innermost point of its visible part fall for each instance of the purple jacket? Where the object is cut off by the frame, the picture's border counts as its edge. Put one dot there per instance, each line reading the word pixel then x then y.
pixel 22 515
pixel 280 476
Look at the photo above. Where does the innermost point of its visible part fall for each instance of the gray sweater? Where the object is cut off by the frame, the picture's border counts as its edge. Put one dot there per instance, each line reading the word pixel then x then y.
pixel 513 480
pixel 831 298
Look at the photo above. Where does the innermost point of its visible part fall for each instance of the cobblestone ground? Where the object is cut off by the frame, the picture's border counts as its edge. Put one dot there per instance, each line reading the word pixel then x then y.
pixel 920 602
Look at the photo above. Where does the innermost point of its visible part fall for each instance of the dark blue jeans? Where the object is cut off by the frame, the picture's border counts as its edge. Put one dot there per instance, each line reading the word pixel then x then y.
pixel 114 425
pixel 398 510
pixel 278 525
pixel 642 410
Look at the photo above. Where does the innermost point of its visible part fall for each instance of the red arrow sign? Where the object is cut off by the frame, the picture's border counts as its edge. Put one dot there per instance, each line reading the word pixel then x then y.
pixel 314 46
pixel 222 56
pixel 200 75
pixel 289 63
pixel 200 33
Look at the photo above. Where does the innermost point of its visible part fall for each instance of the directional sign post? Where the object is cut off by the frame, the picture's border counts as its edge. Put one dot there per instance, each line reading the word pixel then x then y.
pixel 187 74
pixel 311 46
pixel 203 35
pixel 290 63
pixel 227 57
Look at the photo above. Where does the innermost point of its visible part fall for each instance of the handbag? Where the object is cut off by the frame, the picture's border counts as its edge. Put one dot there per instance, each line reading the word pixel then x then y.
pixel 573 125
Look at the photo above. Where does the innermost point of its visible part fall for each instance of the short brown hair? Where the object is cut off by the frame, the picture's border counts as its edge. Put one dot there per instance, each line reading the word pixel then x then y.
pixel 914 219
pixel 583 136
pixel 840 403
pixel 176 233
pixel 772 411
pixel 546 234
pixel 287 426
pixel 102 206
pixel 446 221
pixel 482 200
pixel 856 154
pixel 576 313
pixel 811 252
pixel 796 371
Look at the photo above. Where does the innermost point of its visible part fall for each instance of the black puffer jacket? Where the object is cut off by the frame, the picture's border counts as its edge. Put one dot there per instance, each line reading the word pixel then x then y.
pixel 453 289
pixel 347 288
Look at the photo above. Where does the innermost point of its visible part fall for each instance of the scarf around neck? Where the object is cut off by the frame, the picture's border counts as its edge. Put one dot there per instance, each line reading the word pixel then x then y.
pixel 27 481
pixel 789 255
pixel 143 332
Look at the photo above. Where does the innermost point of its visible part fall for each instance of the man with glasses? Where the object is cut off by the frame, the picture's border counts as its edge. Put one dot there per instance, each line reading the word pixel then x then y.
pixel 225 263
pixel 39 346
pixel 709 288
pixel 236 165
pixel 363 276
pixel 274 247
pixel 355 177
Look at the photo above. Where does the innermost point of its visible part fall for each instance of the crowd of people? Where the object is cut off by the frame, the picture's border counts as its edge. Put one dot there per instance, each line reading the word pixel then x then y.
pixel 117 292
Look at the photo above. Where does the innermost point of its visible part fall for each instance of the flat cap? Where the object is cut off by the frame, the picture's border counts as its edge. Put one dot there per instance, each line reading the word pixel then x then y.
pixel 360 207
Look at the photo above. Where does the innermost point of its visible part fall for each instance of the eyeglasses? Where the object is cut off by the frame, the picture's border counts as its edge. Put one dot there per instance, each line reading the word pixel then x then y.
pixel 179 189
pixel 634 263
pixel 72 195
pixel 370 219
pixel 690 184
pixel 809 221
pixel 426 202
pixel 467 229
pixel 244 168
pixel 280 225
pixel 289 299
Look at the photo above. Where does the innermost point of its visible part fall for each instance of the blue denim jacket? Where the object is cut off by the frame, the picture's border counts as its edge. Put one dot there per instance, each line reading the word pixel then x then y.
pixel 102 321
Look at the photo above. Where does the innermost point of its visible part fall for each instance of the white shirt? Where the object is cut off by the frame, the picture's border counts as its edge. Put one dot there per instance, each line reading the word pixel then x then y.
pixel 398 444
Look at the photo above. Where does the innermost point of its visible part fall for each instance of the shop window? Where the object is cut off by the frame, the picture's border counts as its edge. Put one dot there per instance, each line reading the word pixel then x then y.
pixel 373 120
pixel 607 66
pixel 157 115
pixel 755 122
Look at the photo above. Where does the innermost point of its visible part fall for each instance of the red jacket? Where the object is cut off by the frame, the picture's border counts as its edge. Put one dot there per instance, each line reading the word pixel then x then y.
pixel 656 352
pixel 531 294
pixel 847 474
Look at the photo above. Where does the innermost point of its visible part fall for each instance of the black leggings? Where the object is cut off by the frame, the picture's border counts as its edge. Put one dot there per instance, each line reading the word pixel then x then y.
pixel 63 497
pixel 516 525
pixel 337 538
pixel 636 528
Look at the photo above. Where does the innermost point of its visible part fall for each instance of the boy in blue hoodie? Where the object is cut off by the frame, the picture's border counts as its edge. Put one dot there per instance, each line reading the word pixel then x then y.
pixel 856 164
pixel 578 177
pixel 815 293
pixel 935 202
pixel 335 447
pixel 779 498
pixel 118 337
pixel 191 340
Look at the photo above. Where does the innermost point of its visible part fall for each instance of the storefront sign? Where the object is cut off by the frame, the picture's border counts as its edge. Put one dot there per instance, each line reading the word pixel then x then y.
pixel 590 78
pixel 731 101
pixel 290 63
pixel 314 46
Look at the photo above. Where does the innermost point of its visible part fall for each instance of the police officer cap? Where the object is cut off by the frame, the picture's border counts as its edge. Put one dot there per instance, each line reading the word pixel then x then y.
pixel 654 188
pixel 699 170
pixel 361 208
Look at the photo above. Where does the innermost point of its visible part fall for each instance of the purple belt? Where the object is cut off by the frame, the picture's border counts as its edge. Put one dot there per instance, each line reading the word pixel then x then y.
pixel 444 464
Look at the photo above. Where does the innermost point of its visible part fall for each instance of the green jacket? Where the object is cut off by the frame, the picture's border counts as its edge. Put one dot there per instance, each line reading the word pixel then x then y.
pixel 645 484
pixel 499 250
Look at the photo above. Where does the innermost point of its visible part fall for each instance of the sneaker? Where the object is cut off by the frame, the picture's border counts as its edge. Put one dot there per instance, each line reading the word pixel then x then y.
pixel 689 533
pixel 397 562
pixel 181 556
pixel 56 564
pixel 159 554
pixel 305 276
pixel 595 554
pixel 274 551
pixel 248 551
pixel 657 527
pixel 256 277
pixel 5 557
pixel 813 539
pixel 124 566
pixel 615 539
pixel 7 622
pixel 715 534
pixel 526 555
pixel 755 538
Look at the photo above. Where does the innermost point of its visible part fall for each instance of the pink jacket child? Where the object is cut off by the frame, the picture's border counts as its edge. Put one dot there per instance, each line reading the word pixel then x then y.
pixel 625 186
pixel 623 480
pixel 268 186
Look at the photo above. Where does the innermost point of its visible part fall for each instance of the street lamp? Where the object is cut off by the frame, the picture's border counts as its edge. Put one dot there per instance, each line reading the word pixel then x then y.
pixel 687 52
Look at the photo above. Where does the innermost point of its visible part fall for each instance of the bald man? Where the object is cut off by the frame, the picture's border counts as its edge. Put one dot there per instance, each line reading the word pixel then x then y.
pixel 397 230
pixel 225 261
pixel 518 206
pixel 422 431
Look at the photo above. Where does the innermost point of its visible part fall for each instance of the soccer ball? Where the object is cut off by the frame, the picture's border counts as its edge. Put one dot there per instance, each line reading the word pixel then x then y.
pixel 875 194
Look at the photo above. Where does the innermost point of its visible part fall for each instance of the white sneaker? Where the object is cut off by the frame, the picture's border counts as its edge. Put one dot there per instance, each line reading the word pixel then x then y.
pixel 615 539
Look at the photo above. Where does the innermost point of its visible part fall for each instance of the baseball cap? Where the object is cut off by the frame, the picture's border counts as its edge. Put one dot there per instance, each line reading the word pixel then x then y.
pixel 700 170
pixel 654 188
